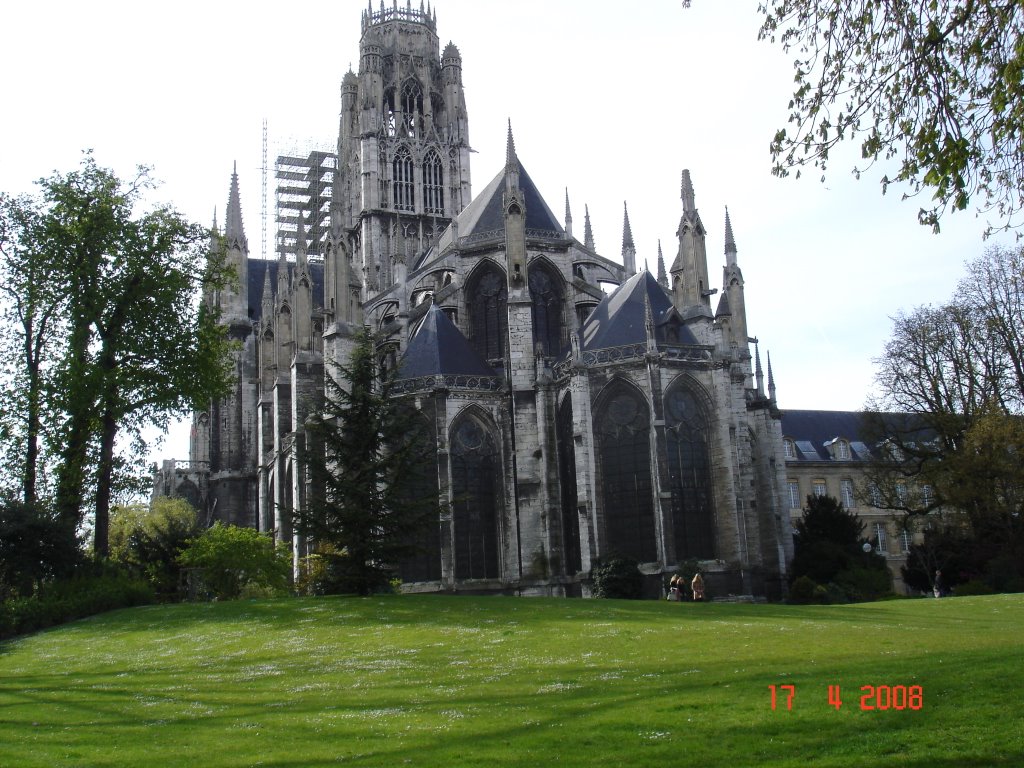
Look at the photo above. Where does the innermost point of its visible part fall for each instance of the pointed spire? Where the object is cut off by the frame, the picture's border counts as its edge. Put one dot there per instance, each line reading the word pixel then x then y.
pixel 686 193
pixel 588 233
pixel 268 295
pixel 730 241
pixel 771 379
pixel 758 373
pixel 628 248
pixel 568 214
pixel 662 274
pixel 233 229
pixel 510 147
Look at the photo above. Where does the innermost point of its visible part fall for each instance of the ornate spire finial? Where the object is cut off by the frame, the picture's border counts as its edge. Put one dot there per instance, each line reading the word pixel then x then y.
pixel 627 231
pixel 686 192
pixel 771 379
pixel 730 242
pixel 568 214
pixel 510 146
pixel 268 295
pixel 662 274
pixel 588 233
pixel 233 229
pixel 758 373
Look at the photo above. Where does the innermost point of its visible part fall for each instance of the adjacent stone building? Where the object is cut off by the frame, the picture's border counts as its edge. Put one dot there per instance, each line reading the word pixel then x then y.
pixel 571 424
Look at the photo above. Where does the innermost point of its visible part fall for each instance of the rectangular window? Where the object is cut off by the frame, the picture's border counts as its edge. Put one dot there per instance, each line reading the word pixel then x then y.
pixel 901 493
pixel 819 488
pixel 880 538
pixel 794 494
pixel 843 450
pixel 876 496
pixel 846 490
pixel 927 497
pixel 905 540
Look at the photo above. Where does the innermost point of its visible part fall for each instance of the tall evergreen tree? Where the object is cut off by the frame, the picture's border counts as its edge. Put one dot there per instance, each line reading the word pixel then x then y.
pixel 365 462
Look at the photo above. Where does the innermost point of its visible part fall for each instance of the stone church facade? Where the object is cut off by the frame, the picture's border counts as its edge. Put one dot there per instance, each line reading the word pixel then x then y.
pixel 571 424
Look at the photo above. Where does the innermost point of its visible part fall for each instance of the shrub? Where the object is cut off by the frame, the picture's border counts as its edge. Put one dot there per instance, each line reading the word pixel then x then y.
pixel 618 577
pixel 149 540
pixel 34 546
pixel 62 601
pixel 973 587
pixel 804 591
pixel 233 558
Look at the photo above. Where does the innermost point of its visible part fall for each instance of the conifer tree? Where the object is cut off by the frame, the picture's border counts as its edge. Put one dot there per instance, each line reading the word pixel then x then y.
pixel 365 461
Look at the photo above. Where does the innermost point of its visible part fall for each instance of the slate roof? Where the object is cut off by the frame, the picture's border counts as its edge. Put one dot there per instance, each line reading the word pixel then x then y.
pixel 256 269
pixel 811 430
pixel 621 318
pixel 439 348
pixel 486 213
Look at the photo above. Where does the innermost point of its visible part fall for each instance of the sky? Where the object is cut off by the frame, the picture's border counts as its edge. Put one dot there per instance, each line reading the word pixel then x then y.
pixel 608 100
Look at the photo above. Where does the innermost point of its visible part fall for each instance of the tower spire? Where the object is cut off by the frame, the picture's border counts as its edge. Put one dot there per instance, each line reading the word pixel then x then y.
pixel 730 241
pixel 758 373
pixel 686 193
pixel 233 229
pixel 588 233
pixel 771 379
pixel 628 247
pixel 662 274
pixel 568 214
pixel 510 147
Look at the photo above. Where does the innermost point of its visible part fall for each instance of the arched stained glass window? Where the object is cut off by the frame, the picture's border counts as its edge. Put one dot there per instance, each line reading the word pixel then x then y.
pixel 433 184
pixel 402 181
pixel 476 489
pixel 624 452
pixel 487 298
pixel 693 517
pixel 421 483
pixel 546 310
pixel 567 476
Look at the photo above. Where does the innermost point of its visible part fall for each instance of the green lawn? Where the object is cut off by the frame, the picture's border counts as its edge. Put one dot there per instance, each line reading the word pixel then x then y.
pixel 497 681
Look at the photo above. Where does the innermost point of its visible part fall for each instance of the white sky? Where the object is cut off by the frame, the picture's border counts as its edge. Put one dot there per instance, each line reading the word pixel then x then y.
pixel 609 99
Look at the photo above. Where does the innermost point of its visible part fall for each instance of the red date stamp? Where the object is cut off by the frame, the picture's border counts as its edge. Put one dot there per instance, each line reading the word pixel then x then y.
pixel 873 698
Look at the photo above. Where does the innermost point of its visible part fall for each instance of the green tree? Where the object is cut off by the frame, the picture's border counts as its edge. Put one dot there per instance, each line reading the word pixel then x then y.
pixel 937 86
pixel 35 546
pixel 134 345
pixel 150 539
pixel 829 549
pixel 950 413
pixel 232 559
pixel 364 460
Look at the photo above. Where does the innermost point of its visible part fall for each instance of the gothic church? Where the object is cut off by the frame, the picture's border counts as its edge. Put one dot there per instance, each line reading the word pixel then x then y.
pixel 571 424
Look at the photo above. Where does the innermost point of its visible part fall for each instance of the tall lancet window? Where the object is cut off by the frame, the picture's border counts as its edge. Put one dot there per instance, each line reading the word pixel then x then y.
pixel 623 428
pixel 693 517
pixel 402 182
pixel 477 494
pixel 412 108
pixel 433 184
pixel 487 297
pixel 546 310
pixel 571 558
pixel 421 483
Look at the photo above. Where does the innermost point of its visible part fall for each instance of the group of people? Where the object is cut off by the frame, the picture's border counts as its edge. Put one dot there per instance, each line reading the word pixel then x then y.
pixel 677 587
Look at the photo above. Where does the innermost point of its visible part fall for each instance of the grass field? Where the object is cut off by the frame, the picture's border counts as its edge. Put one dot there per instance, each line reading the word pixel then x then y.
pixel 493 681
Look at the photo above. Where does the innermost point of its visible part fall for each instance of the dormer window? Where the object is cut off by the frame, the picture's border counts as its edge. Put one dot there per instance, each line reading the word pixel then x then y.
pixel 789 448
pixel 842 449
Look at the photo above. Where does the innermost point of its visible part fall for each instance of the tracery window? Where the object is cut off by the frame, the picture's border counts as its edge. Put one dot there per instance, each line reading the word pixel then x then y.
pixel 412 107
pixel 571 557
pixel 476 488
pixel 388 113
pixel 433 184
pixel 688 438
pixel 421 483
pixel 546 310
pixel 624 454
pixel 383 181
pixel 402 181
pixel 487 304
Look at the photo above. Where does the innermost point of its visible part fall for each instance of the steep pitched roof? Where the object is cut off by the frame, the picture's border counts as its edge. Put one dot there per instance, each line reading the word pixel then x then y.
pixel 621 317
pixel 811 430
pixel 439 348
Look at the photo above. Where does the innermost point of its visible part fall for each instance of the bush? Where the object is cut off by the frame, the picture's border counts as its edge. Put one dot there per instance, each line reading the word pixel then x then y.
pixel 70 599
pixel 34 546
pixel 973 587
pixel 804 590
pixel 619 577
pixel 149 540
pixel 232 558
